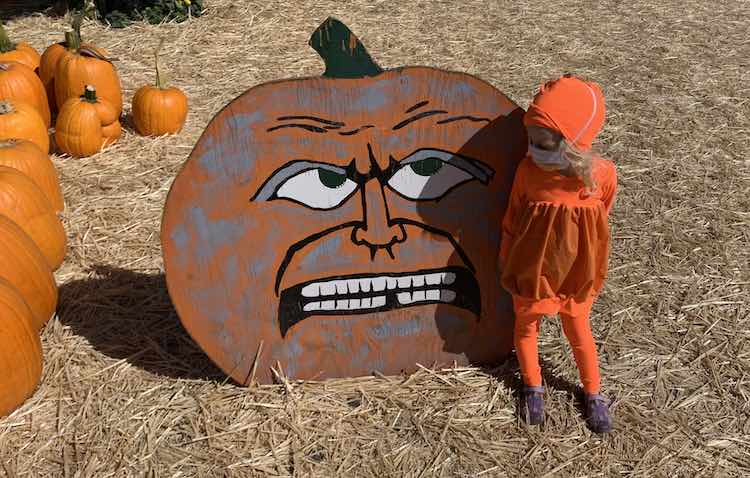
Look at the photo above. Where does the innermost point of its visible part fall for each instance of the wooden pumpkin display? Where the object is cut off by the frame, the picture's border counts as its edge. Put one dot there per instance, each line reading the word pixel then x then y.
pixel 159 109
pixel 22 121
pixel 25 204
pixel 86 124
pixel 20 52
pixel 20 350
pixel 24 267
pixel 83 65
pixel 338 225
pixel 18 82
pixel 27 158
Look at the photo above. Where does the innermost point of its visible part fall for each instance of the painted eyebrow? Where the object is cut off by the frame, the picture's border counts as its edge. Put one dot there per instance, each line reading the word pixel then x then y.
pixel 311 118
pixel 417 106
pixel 462 118
pixel 473 166
pixel 292 168
pixel 328 124
pixel 418 116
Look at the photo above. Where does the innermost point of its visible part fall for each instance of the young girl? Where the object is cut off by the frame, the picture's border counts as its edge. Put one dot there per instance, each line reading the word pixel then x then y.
pixel 555 243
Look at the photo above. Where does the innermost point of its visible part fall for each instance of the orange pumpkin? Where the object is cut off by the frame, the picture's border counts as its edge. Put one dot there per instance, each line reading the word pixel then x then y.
pixel 22 121
pixel 20 52
pixel 159 109
pixel 27 158
pixel 86 124
pixel 25 268
pixel 50 58
pixel 25 204
pixel 20 350
pixel 85 65
pixel 18 82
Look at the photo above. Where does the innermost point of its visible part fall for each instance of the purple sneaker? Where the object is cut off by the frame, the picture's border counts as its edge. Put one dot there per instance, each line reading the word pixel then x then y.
pixel 533 405
pixel 597 413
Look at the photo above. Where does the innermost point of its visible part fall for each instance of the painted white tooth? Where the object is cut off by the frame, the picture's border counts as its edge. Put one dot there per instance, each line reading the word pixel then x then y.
pixel 328 305
pixel 340 286
pixel 365 303
pixel 378 301
pixel 417 281
pixel 311 290
pixel 364 285
pixel 433 279
pixel 433 294
pixel 311 306
pixel 353 286
pixel 417 295
pixel 327 288
pixel 378 284
pixel 354 304
pixel 404 282
pixel 449 277
pixel 447 296
pixel 391 282
pixel 342 304
pixel 404 297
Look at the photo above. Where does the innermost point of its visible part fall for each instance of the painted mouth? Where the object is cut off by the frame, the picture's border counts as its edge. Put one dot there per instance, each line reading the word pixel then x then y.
pixel 366 294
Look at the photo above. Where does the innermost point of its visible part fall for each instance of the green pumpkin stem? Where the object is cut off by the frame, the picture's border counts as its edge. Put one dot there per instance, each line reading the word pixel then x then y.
pixel 89 94
pixel 5 44
pixel 343 53
pixel 72 41
pixel 162 81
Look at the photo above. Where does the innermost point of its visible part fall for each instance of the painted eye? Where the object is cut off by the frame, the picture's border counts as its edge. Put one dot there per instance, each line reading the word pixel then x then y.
pixel 317 188
pixel 428 178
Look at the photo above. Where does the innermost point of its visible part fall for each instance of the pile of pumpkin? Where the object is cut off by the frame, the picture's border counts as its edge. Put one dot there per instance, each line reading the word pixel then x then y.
pixel 77 85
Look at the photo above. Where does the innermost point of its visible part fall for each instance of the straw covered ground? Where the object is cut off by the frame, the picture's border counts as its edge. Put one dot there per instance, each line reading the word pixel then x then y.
pixel 125 392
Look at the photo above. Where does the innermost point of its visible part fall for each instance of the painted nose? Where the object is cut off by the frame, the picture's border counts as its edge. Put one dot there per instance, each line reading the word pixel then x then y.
pixel 377 231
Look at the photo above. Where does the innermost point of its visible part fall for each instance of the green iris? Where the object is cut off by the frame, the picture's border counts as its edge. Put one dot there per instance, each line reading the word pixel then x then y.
pixel 331 179
pixel 427 166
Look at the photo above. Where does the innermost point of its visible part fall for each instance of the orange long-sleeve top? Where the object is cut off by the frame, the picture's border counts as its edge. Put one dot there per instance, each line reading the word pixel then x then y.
pixel 555 236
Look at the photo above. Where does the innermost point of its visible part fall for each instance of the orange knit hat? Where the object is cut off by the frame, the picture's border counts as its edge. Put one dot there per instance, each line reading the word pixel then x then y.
pixel 571 106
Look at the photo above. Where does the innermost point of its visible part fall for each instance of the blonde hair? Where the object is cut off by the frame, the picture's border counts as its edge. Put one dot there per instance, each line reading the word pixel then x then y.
pixel 582 164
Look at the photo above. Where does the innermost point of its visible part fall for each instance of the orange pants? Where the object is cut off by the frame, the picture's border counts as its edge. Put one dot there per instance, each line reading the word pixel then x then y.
pixel 577 328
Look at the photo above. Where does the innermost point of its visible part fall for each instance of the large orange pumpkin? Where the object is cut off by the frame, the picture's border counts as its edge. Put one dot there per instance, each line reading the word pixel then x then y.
pixel 26 157
pixel 86 124
pixel 24 266
pixel 20 52
pixel 25 204
pixel 159 109
pixel 18 82
pixel 85 65
pixel 22 121
pixel 20 350
pixel 50 58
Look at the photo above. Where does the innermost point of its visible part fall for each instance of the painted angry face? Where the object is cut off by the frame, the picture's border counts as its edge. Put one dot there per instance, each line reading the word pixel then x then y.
pixel 333 227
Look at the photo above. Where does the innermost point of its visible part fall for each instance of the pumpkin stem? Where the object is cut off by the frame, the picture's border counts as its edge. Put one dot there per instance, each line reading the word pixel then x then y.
pixel 5 44
pixel 161 78
pixel 89 94
pixel 4 66
pixel 6 107
pixel 342 52
pixel 72 40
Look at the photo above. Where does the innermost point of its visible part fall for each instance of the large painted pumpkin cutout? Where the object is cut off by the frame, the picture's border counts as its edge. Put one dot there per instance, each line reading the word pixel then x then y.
pixel 339 225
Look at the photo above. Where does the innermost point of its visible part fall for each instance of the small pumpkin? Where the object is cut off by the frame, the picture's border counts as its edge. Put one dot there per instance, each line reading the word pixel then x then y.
pixel 86 124
pixel 20 52
pixel 85 65
pixel 18 82
pixel 25 204
pixel 22 121
pixel 159 109
pixel 25 268
pixel 20 350
pixel 27 158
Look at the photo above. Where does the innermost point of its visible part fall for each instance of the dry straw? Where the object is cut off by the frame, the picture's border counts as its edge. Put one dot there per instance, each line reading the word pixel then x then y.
pixel 126 393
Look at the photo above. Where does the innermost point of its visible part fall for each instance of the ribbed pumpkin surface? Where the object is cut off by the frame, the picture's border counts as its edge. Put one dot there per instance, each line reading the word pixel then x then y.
pixel 27 158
